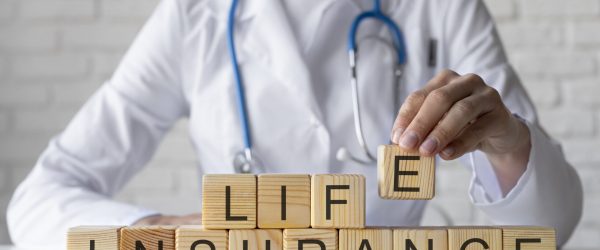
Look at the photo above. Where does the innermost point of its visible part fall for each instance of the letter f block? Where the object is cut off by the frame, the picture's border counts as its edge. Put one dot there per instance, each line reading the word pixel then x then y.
pixel 404 176
pixel 338 201
pixel 229 201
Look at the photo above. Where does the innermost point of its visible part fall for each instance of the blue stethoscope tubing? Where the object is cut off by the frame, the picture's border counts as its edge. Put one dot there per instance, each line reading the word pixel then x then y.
pixel 244 161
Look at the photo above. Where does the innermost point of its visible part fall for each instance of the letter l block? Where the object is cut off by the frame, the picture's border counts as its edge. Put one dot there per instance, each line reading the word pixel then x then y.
pixel 229 201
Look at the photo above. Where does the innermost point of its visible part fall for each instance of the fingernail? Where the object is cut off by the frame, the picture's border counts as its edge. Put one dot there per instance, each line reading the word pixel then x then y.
pixel 448 151
pixel 409 140
pixel 429 146
pixel 397 134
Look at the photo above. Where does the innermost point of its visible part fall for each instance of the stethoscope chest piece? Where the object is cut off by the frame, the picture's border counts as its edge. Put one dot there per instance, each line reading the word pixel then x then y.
pixel 244 162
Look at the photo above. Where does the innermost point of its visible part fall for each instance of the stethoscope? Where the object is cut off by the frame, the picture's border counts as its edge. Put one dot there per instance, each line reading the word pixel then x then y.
pixel 245 161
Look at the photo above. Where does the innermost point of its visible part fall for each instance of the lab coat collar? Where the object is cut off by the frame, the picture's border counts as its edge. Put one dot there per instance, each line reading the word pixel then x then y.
pixel 268 39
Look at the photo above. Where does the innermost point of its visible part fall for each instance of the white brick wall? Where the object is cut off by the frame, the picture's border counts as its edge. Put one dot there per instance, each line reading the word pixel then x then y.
pixel 55 53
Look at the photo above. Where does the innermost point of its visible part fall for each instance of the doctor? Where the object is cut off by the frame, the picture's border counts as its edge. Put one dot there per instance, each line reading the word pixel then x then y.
pixel 293 61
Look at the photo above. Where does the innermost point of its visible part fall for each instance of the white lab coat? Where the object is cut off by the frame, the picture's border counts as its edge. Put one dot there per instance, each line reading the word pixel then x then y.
pixel 294 64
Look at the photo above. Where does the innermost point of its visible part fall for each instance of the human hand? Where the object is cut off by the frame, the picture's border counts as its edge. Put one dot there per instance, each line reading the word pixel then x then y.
pixel 191 219
pixel 453 115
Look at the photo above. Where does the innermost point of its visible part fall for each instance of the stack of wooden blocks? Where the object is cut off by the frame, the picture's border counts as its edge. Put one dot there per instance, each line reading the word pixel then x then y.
pixel 303 212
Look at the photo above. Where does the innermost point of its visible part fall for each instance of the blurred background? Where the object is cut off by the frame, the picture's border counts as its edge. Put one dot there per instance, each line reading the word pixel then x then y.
pixel 55 53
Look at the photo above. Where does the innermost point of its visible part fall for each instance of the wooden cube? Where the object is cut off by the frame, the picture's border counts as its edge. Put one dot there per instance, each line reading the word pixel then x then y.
pixel 366 239
pixel 93 237
pixel 310 239
pixel 420 238
pixel 403 175
pixel 461 238
pixel 528 238
pixel 255 239
pixel 338 201
pixel 198 238
pixel 283 201
pixel 148 238
pixel 229 201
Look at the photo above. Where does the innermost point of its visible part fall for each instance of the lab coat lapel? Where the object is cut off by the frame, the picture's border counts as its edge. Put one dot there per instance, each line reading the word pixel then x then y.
pixel 271 38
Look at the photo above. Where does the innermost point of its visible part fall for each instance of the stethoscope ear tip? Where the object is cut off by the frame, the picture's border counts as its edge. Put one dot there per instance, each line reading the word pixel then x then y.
pixel 342 154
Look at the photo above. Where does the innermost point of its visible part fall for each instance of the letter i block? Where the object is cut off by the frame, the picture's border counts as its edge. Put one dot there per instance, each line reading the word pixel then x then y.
pixel 366 239
pixel 404 176
pixel 420 238
pixel 310 239
pixel 338 201
pixel 529 238
pixel 93 237
pixel 199 238
pixel 148 238
pixel 229 201
pixel 255 239
pixel 465 238
pixel 283 201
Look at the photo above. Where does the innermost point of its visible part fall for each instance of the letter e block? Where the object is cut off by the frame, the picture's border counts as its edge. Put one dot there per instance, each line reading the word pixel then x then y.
pixel 310 239
pixel 466 238
pixel 420 238
pixel 148 238
pixel 93 237
pixel 229 201
pixel 338 201
pixel 366 239
pixel 199 238
pixel 403 175
pixel 529 238
pixel 283 201
pixel 256 239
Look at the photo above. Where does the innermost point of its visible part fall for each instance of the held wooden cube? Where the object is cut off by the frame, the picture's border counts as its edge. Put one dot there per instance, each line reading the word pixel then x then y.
pixel 366 239
pixel 255 239
pixel 199 238
pixel 461 238
pixel 310 239
pixel 229 201
pixel 403 175
pixel 528 238
pixel 283 201
pixel 93 237
pixel 148 237
pixel 420 238
pixel 338 201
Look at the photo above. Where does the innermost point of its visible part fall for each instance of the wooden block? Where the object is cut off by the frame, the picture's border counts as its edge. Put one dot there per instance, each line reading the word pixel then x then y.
pixel 199 238
pixel 338 201
pixel 529 238
pixel 229 201
pixel 403 175
pixel 283 201
pixel 366 239
pixel 420 238
pixel 310 239
pixel 472 238
pixel 255 239
pixel 93 237
pixel 148 238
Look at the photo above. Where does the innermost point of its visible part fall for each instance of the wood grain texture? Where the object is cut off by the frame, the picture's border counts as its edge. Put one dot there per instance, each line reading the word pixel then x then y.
pixel 297 201
pixel 150 236
pixel 421 238
pixel 103 237
pixel 329 238
pixel 257 239
pixel 462 238
pixel 343 188
pixel 404 176
pixel 242 201
pixel 186 236
pixel 530 238
pixel 377 238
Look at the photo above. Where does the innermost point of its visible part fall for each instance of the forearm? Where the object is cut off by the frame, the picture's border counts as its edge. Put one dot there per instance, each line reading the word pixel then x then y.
pixel 510 166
